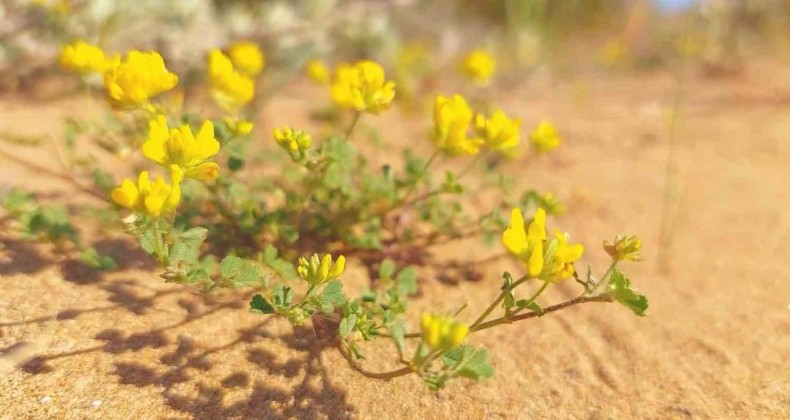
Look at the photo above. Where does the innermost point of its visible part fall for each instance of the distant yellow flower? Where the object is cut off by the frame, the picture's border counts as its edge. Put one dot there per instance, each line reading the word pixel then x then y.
pixel 545 137
pixel 318 271
pixel 451 118
pixel 295 142
pixel 479 66
pixel 82 57
pixel 613 53
pixel 441 332
pixel 132 82
pixel 179 150
pixel 238 127
pixel 624 248
pixel 318 71
pixel 500 133
pixel 153 199
pixel 230 88
pixel 247 57
pixel 362 87
pixel 527 244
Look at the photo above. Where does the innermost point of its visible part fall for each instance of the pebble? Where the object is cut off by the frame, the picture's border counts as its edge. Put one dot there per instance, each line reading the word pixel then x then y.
pixel 96 403
pixel 45 399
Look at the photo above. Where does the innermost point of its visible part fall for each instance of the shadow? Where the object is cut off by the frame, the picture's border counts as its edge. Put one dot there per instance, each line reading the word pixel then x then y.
pixel 21 257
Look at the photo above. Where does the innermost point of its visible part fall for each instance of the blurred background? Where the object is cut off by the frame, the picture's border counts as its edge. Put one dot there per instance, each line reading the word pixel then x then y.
pixel 418 38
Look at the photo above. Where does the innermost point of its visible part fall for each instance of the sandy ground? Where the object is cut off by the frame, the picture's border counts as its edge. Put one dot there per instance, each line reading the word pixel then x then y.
pixel 716 343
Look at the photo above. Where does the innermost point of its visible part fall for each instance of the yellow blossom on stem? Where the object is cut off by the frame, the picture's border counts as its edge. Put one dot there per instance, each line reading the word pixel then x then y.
pixel 150 198
pixel 133 81
pixel 500 133
pixel 624 248
pixel 318 71
pixel 479 66
pixel 81 57
pixel 231 89
pixel 545 137
pixel 451 118
pixel 178 149
pixel 362 87
pixel 318 271
pixel 238 126
pixel 559 258
pixel 247 57
pixel 441 332
pixel 295 142
pixel 527 244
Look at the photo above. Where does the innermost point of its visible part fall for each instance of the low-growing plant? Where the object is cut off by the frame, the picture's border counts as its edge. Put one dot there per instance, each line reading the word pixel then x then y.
pixel 289 230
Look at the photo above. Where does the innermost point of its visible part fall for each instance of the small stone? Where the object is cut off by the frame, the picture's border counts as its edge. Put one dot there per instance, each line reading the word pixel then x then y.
pixel 96 403
pixel 46 399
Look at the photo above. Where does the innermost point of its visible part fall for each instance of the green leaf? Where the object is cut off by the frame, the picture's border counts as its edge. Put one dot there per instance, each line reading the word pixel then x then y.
pixel 261 305
pixel 331 296
pixel 283 267
pixel 234 163
pixel 532 306
pixel 194 234
pixel 347 325
pixel 469 362
pixel 621 290
pixel 508 301
pixel 240 272
pixel 407 281
pixel 283 295
pixel 387 269
pixel 96 261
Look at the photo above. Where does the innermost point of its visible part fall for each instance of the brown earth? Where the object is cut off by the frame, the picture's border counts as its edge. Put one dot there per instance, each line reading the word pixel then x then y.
pixel 716 342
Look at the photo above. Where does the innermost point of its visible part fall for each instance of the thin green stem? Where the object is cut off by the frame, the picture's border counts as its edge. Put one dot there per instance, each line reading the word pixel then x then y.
pixel 497 301
pixel 353 125
pixel 375 375
pixel 533 298
pixel 159 244
pixel 605 277
pixel 553 308
pixel 416 181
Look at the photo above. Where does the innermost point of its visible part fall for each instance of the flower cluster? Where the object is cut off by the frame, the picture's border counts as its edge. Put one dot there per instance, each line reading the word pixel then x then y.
pixel 500 133
pixel 624 248
pixel 295 142
pixel 247 57
pixel 548 260
pixel 150 198
pixel 84 58
pixel 362 87
pixel 133 81
pixel 317 271
pixel 452 118
pixel 441 332
pixel 179 150
pixel 318 72
pixel 232 89
pixel 545 137
pixel 479 66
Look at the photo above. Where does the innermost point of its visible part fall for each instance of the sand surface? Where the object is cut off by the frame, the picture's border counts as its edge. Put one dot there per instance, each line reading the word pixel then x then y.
pixel 716 342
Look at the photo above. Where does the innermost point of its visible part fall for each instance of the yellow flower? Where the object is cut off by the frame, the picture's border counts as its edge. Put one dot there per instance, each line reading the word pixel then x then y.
pixel 153 199
pixel 82 57
pixel 559 258
pixel 247 57
pixel 318 271
pixel 624 248
pixel 318 71
pixel 479 66
pixel 441 332
pixel 527 244
pixel 362 87
pixel 550 261
pixel 500 133
pixel 545 137
pixel 452 117
pixel 178 149
pixel 238 127
pixel 231 88
pixel 142 75
pixel 295 142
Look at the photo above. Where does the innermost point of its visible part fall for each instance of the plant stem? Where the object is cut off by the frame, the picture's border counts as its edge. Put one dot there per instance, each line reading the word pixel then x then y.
pixel 553 308
pixel 158 245
pixel 497 301
pixel 353 125
pixel 375 375
pixel 413 185
pixel 605 277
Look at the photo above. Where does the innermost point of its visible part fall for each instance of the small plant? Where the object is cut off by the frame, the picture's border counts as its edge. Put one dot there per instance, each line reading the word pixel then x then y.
pixel 322 206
